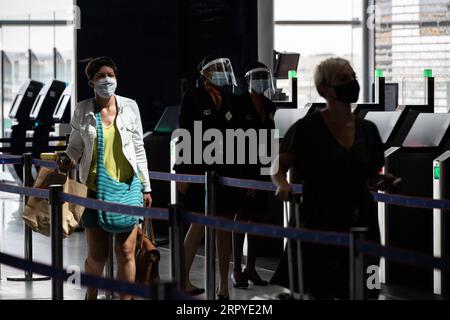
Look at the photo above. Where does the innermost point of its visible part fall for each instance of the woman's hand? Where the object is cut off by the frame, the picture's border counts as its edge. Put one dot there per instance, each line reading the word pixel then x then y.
pixel 147 200
pixel 284 192
pixel 251 193
pixel 182 187
pixel 65 166
pixel 384 182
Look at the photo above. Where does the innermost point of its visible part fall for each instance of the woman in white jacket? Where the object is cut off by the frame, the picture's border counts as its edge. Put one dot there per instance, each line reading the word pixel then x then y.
pixel 124 156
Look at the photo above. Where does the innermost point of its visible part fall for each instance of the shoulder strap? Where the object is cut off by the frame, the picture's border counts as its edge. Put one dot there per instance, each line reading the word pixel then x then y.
pixel 148 221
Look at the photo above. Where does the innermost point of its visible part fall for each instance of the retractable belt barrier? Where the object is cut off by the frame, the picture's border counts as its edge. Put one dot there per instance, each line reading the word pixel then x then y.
pixel 321 237
pixel 149 292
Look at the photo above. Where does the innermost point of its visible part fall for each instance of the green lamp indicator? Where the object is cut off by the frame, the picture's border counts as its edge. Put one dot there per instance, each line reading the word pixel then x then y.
pixel 292 74
pixel 427 73
pixel 379 73
pixel 437 172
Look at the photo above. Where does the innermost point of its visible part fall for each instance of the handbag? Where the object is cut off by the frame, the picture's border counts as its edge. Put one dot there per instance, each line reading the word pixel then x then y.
pixel 37 211
pixel 147 256
pixel 110 190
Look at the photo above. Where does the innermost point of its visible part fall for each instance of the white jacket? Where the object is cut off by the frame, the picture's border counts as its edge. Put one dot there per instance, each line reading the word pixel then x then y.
pixel 84 132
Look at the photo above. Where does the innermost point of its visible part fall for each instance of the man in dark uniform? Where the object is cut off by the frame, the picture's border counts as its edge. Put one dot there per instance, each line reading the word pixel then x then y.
pixel 256 112
pixel 212 106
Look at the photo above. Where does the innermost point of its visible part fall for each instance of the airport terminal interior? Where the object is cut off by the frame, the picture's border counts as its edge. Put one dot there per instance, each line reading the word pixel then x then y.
pixel 145 69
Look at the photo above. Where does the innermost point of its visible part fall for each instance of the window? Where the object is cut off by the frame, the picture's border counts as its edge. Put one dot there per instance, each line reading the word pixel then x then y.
pixel 318 30
pixel 410 37
pixel 28 44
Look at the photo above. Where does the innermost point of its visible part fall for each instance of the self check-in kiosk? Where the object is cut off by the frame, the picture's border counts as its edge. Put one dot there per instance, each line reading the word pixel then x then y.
pixel 441 221
pixel 387 123
pixel 20 110
pixel 62 110
pixel 378 104
pixel 406 227
pixel 42 114
pixel 61 116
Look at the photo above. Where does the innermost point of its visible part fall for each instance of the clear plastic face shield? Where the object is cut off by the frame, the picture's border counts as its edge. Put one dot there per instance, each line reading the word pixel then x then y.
pixel 260 81
pixel 219 72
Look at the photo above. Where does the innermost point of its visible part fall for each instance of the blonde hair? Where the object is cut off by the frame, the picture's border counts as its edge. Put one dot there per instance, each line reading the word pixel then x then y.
pixel 327 72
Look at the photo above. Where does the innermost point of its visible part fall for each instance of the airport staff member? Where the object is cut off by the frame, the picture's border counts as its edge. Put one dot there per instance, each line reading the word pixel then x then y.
pixel 124 156
pixel 335 154
pixel 212 105
pixel 257 112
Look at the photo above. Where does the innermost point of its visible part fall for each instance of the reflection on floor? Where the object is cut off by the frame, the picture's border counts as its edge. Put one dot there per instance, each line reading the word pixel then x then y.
pixel 11 242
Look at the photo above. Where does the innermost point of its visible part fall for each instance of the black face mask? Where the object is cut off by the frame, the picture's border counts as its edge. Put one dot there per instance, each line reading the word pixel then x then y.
pixel 349 92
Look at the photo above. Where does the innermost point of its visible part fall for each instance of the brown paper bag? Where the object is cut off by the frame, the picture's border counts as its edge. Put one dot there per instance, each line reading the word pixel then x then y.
pixel 37 211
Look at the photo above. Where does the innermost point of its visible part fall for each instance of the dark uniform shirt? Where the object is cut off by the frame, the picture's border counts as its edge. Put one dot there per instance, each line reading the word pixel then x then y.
pixel 335 198
pixel 250 118
pixel 335 192
pixel 199 106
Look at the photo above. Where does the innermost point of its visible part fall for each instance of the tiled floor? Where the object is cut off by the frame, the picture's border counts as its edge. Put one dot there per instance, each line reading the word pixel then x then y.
pixel 11 242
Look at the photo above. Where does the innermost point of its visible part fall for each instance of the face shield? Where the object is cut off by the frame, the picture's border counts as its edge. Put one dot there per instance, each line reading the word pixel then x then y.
pixel 260 81
pixel 219 72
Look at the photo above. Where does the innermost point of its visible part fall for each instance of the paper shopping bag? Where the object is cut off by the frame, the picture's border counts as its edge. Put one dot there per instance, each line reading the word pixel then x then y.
pixel 37 211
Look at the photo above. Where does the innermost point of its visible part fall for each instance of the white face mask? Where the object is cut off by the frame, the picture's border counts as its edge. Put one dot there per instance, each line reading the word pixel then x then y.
pixel 220 78
pixel 259 86
pixel 105 87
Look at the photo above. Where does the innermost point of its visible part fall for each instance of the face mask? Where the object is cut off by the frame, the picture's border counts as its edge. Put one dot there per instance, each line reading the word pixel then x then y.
pixel 219 79
pixel 260 86
pixel 106 87
pixel 348 92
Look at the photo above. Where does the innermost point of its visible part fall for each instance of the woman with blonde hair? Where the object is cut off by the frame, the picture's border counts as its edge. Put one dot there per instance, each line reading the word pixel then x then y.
pixel 335 155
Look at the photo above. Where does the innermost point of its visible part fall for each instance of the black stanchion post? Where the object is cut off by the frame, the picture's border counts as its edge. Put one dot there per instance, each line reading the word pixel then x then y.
pixel 290 258
pixel 27 160
pixel 28 242
pixel 357 290
pixel 176 244
pixel 109 295
pixel 210 236
pixel 56 233
pixel 299 250
pixel 164 291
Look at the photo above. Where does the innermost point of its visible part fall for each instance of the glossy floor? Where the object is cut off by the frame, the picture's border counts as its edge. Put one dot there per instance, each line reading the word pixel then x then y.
pixel 11 242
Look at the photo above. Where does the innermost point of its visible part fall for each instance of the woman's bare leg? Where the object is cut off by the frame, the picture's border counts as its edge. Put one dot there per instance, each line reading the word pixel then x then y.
pixel 223 243
pixel 192 241
pixel 125 248
pixel 97 241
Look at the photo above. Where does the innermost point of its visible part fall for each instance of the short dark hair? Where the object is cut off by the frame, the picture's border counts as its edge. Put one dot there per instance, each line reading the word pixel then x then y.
pixel 207 60
pixel 96 64
pixel 255 65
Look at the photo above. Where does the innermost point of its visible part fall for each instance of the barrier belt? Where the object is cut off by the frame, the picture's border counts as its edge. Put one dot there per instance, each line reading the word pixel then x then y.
pixel 332 238
pixel 254 184
pixel 404 256
pixel 25 191
pixel 162 176
pixel 9 156
pixel 9 140
pixel 414 202
pixel 154 213
pixel 45 163
pixel 11 161
pixel 86 280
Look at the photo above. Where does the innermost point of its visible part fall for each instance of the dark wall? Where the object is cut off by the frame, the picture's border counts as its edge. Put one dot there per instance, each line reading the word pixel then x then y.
pixel 218 27
pixel 156 44
pixel 141 37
